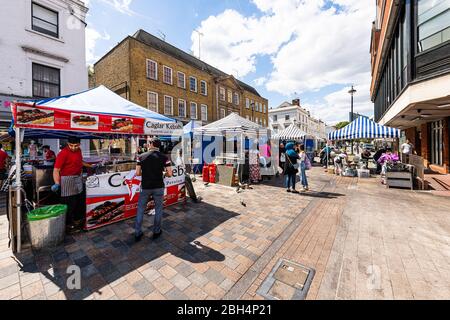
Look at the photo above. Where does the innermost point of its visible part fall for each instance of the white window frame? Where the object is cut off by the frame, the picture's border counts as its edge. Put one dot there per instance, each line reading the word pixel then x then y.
pixel 171 105
pixel 204 107
pixel 247 103
pixel 264 108
pixel 184 101
pixel 178 79
pixel 236 98
pixel 164 75
pixel 196 84
pixel 156 69
pixel 230 96
pixel 206 88
pixel 148 101
pixel 223 113
pixel 224 94
pixel 196 110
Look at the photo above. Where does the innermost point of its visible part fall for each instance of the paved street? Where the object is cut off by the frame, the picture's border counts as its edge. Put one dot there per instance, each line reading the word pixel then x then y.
pixel 362 240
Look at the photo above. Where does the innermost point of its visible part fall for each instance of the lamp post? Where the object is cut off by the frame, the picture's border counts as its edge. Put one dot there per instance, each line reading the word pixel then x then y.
pixel 352 91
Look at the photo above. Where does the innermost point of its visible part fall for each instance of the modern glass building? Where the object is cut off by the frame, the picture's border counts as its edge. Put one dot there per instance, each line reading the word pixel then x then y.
pixel 410 88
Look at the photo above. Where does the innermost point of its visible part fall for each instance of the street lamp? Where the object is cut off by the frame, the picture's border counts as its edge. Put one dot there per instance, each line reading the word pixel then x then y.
pixel 352 91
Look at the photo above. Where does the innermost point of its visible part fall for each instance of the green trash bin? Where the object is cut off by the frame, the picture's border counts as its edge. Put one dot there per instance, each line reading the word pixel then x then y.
pixel 47 226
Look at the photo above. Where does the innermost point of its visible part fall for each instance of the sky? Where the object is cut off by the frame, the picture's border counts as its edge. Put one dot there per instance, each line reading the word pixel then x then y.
pixel 313 50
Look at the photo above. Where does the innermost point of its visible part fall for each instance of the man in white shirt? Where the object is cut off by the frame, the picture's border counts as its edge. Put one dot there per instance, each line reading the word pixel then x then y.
pixel 406 149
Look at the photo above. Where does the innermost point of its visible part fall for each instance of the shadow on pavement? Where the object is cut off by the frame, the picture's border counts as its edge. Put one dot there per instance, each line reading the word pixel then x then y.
pixel 107 254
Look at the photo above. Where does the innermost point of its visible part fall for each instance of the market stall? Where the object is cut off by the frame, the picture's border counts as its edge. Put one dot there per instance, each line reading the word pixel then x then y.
pixel 98 113
pixel 228 142
pixel 293 133
pixel 362 128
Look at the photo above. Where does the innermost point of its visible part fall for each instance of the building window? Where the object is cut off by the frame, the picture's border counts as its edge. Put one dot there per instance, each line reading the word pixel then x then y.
pixel 168 105
pixel 286 117
pixel 264 108
pixel 433 23
pixel 275 118
pixel 230 96
pixel 247 103
pixel 181 108
pixel 181 80
pixel 152 69
pixel 222 93
pixel 167 75
pixel 193 110
pixel 437 142
pixel 46 81
pixel 44 20
pixel 152 101
pixel 204 115
pixel 193 84
pixel 222 113
pixel 203 88
pixel 236 98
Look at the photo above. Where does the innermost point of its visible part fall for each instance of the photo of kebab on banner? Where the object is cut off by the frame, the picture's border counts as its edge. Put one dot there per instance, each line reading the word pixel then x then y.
pixel 122 124
pixel 80 121
pixel 34 116
pixel 106 212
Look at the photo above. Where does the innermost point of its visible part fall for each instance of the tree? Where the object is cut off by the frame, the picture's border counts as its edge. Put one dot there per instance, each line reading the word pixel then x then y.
pixel 341 124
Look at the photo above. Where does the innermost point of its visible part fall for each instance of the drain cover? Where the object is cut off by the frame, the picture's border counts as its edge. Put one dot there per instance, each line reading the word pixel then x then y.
pixel 287 281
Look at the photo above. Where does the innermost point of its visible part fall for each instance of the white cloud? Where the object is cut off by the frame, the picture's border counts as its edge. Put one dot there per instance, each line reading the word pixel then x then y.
pixel 123 6
pixel 260 81
pixel 92 36
pixel 336 105
pixel 310 47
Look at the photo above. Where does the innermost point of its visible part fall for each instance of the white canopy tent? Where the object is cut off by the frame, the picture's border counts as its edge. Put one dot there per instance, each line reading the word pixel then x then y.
pixel 233 123
pixel 291 132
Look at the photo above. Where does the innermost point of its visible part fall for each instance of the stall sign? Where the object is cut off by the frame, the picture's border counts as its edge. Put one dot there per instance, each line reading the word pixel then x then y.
pixel 155 128
pixel 41 117
pixel 113 197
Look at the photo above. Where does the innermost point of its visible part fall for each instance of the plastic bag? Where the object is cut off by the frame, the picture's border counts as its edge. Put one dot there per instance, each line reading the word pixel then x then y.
pixel 47 212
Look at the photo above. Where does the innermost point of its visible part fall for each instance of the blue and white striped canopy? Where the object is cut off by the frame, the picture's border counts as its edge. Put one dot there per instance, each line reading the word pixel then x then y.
pixel 364 128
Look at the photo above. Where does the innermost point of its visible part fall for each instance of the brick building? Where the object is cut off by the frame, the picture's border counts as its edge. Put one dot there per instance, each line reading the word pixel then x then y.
pixel 410 52
pixel 155 74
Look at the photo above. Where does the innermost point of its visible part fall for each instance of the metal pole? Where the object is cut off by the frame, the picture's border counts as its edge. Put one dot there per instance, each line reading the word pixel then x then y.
pixel 19 192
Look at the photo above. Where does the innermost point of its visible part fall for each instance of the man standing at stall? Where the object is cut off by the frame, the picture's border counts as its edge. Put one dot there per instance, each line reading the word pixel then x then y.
pixel 49 156
pixel 67 175
pixel 4 162
pixel 152 166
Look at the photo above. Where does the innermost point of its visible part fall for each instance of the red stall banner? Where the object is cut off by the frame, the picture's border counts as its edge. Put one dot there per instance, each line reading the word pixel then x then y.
pixel 113 197
pixel 41 117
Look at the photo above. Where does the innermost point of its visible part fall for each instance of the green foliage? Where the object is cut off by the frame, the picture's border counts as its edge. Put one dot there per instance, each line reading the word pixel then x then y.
pixel 341 124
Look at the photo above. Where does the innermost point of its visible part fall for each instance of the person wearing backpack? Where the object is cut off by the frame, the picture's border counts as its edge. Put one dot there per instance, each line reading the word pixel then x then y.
pixel 291 167
pixel 305 164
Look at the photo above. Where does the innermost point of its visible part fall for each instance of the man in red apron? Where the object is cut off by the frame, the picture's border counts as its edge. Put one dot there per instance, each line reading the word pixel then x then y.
pixel 67 175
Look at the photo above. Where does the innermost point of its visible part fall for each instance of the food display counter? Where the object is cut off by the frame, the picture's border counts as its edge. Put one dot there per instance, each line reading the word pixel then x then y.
pixel 113 196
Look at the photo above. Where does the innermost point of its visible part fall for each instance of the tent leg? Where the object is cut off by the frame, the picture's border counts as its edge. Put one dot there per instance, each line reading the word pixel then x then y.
pixel 18 193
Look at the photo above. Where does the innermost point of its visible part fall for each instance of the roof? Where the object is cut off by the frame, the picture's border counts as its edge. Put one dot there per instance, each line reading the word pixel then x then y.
pixel 291 132
pixel 152 41
pixel 101 100
pixel 364 128
pixel 232 122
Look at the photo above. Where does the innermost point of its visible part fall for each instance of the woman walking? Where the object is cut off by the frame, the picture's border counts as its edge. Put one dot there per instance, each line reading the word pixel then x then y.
pixel 303 166
pixel 291 167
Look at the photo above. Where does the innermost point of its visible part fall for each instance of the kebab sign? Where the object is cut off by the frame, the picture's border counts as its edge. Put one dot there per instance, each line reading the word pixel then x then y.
pixel 113 197
pixel 31 116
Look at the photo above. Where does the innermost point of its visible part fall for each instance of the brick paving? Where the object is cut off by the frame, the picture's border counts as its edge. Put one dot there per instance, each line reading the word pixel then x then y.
pixel 363 241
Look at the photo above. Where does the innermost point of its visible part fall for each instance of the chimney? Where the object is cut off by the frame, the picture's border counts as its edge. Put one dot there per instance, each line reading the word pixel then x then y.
pixel 296 102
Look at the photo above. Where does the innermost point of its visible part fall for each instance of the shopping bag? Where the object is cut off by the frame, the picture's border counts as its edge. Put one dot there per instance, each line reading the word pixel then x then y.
pixel 308 164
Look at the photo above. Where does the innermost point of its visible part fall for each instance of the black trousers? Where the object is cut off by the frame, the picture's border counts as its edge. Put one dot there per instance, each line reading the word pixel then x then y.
pixel 76 208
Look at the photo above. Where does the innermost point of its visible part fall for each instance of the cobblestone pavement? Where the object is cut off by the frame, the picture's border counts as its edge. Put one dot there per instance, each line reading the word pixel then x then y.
pixel 362 240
